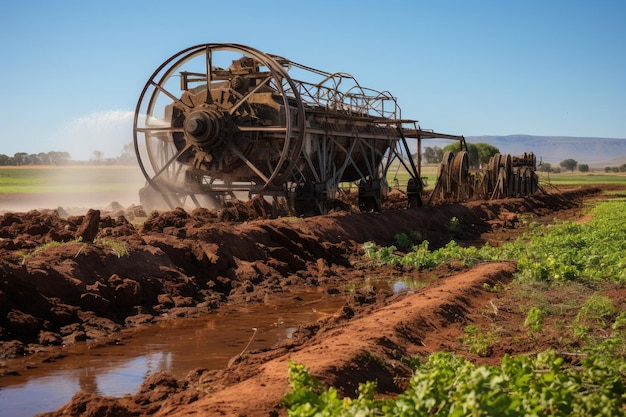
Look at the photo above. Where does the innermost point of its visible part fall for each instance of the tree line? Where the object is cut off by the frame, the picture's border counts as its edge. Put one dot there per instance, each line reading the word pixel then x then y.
pixel 572 164
pixel 41 158
pixel 63 158
pixel 480 153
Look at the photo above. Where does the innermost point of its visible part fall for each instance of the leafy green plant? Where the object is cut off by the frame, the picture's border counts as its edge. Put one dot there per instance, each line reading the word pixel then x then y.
pixel 590 251
pixel 403 241
pixel 620 323
pixel 449 385
pixel 612 344
pixel 370 249
pixel 534 320
pixel 593 314
pixel 478 341
pixel 453 224
pixel 495 288
pixel 420 257
pixel 309 398
pixel 384 255
pixel 417 236
pixel 617 340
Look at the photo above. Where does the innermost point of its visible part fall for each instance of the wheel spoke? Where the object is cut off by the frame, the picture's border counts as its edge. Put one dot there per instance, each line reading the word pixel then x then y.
pixel 247 162
pixel 161 129
pixel 170 95
pixel 247 96
pixel 278 129
pixel 209 74
pixel 168 163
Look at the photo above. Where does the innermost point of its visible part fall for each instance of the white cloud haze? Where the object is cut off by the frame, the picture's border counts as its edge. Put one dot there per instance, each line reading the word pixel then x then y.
pixel 106 131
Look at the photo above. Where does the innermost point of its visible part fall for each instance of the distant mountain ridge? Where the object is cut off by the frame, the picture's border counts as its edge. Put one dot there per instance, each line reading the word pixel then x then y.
pixel 596 152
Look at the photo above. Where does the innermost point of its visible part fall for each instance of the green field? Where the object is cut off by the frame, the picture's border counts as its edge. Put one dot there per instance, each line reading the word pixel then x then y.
pixel 579 178
pixel 73 179
pixel 428 174
pixel 93 178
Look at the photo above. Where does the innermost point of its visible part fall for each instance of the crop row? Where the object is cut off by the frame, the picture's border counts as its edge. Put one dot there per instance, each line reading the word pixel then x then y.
pixel 591 251
pixel 587 252
pixel 449 385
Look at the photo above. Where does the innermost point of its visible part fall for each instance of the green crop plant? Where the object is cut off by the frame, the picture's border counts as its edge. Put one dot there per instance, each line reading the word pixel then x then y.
pixel 449 385
pixel 453 224
pixel 309 398
pixel 618 335
pixel 417 236
pixel 384 255
pixel 495 288
pixel 593 316
pixel 612 342
pixel 420 257
pixel 590 251
pixel 403 241
pixel 478 341
pixel 370 249
pixel 534 320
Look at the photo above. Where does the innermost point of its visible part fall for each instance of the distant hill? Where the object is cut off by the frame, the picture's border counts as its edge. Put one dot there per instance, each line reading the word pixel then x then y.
pixel 595 152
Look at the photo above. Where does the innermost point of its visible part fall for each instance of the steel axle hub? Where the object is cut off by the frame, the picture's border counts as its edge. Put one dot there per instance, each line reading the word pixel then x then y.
pixel 204 127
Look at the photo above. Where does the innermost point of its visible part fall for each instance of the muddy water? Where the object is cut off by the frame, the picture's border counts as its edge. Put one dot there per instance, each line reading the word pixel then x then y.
pixel 177 346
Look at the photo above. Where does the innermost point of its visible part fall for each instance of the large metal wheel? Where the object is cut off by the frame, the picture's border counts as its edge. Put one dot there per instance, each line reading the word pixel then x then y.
pixel 200 131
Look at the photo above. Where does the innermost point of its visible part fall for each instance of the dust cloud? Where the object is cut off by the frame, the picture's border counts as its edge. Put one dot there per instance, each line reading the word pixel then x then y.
pixel 106 132
pixel 94 179
pixel 78 188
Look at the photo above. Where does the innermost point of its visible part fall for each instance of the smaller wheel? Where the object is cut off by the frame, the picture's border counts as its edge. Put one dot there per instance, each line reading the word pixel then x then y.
pixel 460 176
pixel 506 169
pixel 443 188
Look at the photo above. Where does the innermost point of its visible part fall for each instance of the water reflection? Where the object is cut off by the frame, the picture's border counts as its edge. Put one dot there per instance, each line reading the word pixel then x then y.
pixel 50 391
pixel 177 346
pixel 400 286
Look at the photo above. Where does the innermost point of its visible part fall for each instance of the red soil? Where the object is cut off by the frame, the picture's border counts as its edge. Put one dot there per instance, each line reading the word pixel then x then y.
pixel 183 263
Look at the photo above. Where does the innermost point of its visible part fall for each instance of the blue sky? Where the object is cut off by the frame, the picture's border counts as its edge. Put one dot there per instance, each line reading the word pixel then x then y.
pixel 71 71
